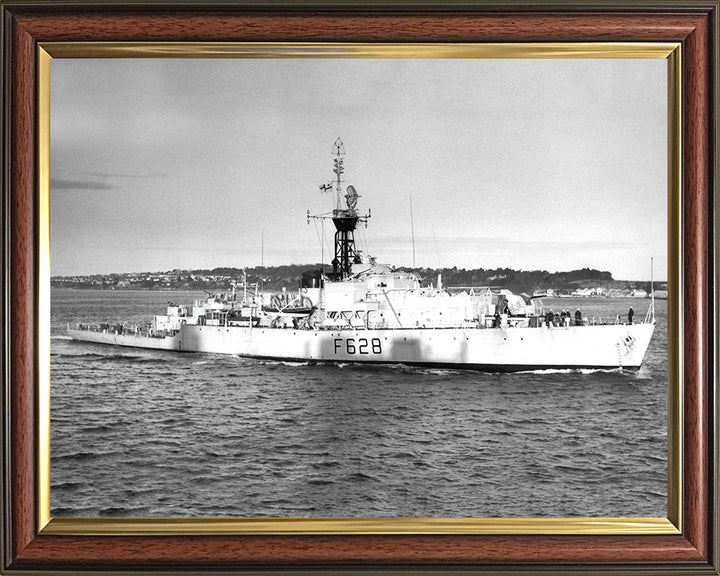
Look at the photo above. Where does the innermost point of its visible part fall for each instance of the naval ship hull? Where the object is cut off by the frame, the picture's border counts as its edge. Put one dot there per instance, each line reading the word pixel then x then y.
pixel 491 349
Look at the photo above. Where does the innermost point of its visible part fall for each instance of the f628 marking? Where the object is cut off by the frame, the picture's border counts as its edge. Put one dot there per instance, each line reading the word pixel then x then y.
pixel 357 346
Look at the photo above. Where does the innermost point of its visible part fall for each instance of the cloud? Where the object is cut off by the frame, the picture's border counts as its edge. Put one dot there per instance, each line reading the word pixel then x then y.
pixel 121 175
pixel 65 184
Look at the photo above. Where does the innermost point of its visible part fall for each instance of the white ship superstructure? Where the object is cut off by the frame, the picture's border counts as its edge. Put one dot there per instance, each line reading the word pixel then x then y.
pixel 362 311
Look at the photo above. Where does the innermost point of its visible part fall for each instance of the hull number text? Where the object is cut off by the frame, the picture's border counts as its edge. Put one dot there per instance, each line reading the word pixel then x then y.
pixel 358 346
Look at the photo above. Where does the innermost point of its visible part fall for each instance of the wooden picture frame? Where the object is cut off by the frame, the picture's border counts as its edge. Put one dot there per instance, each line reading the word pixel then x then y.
pixel 31 546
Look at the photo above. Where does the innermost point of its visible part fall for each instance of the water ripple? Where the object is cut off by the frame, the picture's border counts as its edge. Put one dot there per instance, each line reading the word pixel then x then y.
pixel 151 433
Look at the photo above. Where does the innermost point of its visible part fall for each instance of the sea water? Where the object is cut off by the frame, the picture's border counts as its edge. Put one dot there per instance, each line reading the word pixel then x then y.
pixel 152 433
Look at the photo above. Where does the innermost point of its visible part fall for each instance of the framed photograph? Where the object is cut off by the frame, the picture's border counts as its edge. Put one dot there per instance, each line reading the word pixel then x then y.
pixel 359 287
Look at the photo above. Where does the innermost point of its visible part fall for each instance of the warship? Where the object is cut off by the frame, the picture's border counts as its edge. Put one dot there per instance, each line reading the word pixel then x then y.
pixel 366 312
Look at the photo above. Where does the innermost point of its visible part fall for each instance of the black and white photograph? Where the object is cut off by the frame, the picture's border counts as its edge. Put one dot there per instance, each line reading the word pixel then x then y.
pixel 359 287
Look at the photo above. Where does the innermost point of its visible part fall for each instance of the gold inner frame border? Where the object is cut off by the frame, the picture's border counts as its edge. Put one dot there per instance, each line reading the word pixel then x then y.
pixel 671 52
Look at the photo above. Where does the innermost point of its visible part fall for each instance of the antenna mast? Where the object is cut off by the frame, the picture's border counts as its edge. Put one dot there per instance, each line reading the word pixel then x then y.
pixel 412 230
pixel 339 169
pixel 652 287
pixel 344 219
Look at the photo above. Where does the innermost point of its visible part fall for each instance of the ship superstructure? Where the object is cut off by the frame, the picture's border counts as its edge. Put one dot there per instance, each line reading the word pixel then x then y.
pixel 364 311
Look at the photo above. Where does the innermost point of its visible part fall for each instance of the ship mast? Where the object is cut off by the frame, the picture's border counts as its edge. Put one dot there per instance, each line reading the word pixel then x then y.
pixel 345 218
pixel 339 169
pixel 652 288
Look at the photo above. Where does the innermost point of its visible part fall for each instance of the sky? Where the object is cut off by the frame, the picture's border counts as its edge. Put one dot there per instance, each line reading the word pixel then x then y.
pixel 159 164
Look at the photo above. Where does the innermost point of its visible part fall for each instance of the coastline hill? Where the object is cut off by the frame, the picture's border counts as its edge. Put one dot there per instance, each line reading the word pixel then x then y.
pixel 273 278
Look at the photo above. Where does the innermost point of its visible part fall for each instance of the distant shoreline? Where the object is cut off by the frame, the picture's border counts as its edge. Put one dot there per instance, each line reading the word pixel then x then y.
pixel 179 291
pixel 584 282
pixel 91 289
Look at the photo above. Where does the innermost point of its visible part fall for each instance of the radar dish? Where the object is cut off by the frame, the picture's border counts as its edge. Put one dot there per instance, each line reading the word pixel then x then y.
pixel 351 197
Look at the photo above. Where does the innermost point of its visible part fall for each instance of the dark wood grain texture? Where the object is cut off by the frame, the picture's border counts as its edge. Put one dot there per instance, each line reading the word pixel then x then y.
pixel 689 552
pixel 22 286
pixel 696 189
pixel 324 550
pixel 360 28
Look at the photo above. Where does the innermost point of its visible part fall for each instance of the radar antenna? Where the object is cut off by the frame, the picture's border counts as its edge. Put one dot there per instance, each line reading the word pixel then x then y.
pixel 345 218
pixel 351 197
